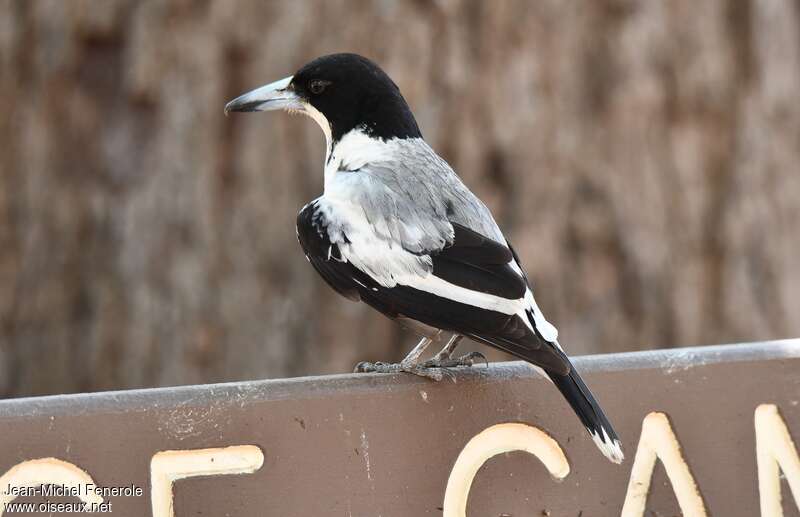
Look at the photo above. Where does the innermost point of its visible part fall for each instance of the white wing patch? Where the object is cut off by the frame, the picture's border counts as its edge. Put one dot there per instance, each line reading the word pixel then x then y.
pixel 548 331
pixel 435 285
pixel 545 328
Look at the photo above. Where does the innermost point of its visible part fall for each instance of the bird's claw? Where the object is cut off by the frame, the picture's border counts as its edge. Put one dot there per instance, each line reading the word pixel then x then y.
pixel 436 373
pixel 436 369
pixel 362 367
pixel 450 362
pixel 377 367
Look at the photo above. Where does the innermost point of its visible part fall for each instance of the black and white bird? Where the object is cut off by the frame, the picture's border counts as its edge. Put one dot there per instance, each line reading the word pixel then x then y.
pixel 397 229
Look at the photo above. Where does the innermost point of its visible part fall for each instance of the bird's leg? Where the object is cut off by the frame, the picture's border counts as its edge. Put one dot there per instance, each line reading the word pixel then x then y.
pixel 444 359
pixel 409 365
pixel 449 348
pixel 413 355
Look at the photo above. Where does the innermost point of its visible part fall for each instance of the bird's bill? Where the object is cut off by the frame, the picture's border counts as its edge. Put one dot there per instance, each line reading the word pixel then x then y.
pixel 274 96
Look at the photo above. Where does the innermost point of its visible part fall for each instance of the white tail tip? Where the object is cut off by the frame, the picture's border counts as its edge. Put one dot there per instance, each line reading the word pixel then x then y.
pixel 611 449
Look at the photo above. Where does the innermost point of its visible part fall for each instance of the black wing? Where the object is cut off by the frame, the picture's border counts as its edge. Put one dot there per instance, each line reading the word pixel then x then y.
pixel 471 261
pixel 478 264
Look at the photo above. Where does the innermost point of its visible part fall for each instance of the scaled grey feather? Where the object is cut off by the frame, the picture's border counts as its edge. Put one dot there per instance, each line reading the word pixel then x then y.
pixel 411 196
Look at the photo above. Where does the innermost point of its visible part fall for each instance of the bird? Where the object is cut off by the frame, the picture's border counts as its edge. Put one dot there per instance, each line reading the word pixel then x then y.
pixel 397 229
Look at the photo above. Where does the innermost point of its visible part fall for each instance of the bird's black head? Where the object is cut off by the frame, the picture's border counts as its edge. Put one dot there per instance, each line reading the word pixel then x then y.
pixel 351 91
pixel 340 91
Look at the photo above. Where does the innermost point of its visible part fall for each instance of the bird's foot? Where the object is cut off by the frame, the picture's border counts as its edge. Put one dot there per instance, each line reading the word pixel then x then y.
pixel 444 361
pixel 436 373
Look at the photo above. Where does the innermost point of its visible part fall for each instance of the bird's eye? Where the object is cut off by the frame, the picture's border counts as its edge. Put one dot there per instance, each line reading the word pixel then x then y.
pixel 317 86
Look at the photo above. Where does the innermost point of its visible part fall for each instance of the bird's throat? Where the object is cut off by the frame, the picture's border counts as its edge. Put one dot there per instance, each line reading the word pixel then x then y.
pixel 353 152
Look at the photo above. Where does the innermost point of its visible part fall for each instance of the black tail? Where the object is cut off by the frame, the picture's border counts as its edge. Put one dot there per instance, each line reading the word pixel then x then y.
pixel 590 413
pixel 554 362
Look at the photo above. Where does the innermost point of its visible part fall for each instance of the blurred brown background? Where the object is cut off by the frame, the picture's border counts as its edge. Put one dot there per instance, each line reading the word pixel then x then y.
pixel 643 156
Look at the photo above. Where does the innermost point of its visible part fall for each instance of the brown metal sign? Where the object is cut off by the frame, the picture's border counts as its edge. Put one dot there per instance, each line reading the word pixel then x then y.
pixel 707 431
